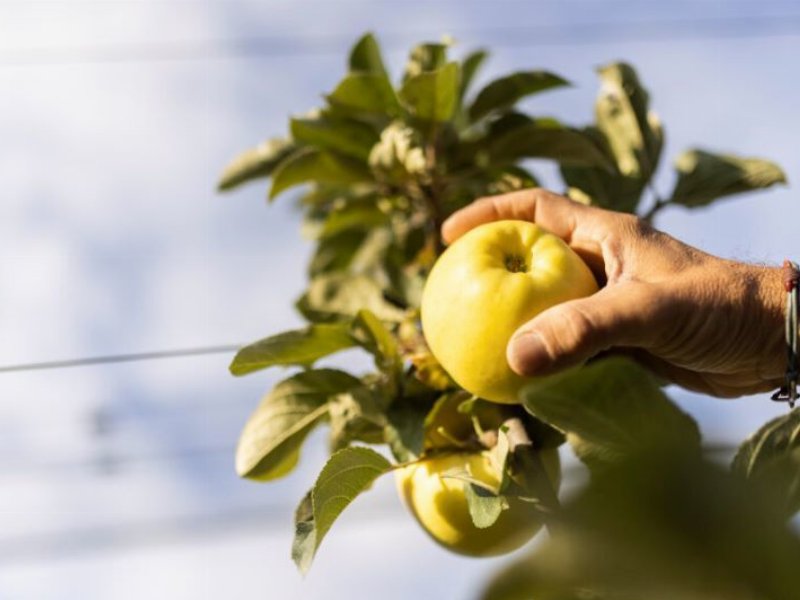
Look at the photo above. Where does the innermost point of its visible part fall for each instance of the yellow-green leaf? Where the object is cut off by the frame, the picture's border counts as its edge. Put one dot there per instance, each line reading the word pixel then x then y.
pixel 704 176
pixel 367 93
pixel 503 93
pixel 433 95
pixel 301 347
pixel 256 163
pixel 348 473
pixel 310 165
pixel 270 442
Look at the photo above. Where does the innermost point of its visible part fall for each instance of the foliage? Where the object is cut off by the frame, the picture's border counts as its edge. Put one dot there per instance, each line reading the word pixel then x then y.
pixel 381 166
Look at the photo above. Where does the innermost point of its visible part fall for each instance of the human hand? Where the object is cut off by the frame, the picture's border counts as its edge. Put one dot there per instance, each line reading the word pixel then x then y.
pixel 706 323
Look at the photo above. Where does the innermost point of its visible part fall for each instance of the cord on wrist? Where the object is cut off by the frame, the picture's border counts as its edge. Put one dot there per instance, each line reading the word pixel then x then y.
pixel 791 285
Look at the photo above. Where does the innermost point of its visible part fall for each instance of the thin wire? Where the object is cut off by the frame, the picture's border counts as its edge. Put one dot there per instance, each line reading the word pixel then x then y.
pixel 119 358
pixel 516 36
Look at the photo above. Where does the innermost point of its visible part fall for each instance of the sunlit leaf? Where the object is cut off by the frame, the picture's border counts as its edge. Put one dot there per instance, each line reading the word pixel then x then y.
pixel 469 68
pixel 373 335
pixel 345 136
pixel 432 95
pixel 770 458
pixel 546 139
pixel 357 415
pixel 310 165
pixel 510 179
pixel 484 507
pixel 703 176
pixel 425 57
pixel 351 218
pixel 259 162
pixel 404 431
pixel 623 115
pixel 505 92
pixel 610 409
pixel 340 296
pixel 301 347
pixel 366 56
pixel 369 93
pixel 336 252
pixel 607 188
pixel 347 473
pixel 272 437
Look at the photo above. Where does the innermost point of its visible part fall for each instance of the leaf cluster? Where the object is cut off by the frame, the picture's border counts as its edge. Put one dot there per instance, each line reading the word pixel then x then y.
pixel 376 170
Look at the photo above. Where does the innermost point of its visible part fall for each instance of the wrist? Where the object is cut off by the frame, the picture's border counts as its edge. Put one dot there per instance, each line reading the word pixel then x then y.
pixel 771 320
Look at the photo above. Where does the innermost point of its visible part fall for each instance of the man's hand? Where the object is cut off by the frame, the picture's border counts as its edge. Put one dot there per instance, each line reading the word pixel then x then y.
pixel 705 323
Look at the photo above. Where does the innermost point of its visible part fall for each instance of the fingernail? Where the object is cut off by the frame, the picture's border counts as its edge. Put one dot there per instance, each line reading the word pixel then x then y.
pixel 527 354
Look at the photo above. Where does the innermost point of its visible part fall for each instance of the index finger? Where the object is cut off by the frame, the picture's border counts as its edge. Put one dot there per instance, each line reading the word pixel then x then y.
pixel 557 214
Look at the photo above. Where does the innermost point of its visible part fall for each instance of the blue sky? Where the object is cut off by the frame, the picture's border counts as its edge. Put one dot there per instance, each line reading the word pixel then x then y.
pixel 118 481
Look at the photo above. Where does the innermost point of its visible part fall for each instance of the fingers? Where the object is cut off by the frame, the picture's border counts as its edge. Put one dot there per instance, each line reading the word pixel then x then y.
pixel 555 213
pixel 571 333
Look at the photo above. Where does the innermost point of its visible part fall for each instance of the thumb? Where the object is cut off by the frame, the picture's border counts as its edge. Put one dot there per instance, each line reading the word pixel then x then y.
pixel 571 333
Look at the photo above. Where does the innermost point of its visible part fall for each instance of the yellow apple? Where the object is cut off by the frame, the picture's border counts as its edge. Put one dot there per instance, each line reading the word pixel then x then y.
pixel 440 506
pixel 488 283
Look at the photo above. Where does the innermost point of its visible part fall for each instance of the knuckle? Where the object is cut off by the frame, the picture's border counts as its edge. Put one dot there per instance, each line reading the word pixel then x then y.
pixel 575 329
pixel 631 226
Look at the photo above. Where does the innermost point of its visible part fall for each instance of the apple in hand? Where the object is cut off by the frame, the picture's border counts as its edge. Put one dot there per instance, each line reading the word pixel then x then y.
pixel 487 284
pixel 440 505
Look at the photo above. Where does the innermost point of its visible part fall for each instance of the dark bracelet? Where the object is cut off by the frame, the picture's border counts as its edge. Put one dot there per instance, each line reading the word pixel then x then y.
pixel 791 278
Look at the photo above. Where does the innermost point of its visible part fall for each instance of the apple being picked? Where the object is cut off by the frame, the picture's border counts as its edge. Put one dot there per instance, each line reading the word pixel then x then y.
pixel 486 285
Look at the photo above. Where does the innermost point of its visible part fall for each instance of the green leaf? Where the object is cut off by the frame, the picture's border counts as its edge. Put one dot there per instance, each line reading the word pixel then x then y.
pixel 353 217
pixel 545 139
pixel 703 176
pixel 270 442
pixel 770 458
pixel 356 416
pixel 367 93
pixel 484 507
pixel 301 347
pixel 433 95
pixel 510 179
pixel 339 296
pixel 404 432
pixel 622 111
pixel 425 57
pixel 348 473
pixel 607 189
pixel 345 136
pixel 373 336
pixel 259 162
pixel 659 527
pixel 469 68
pixel 505 92
pixel 610 409
pixel 366 56
pixel 310 165
pixel 336 252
